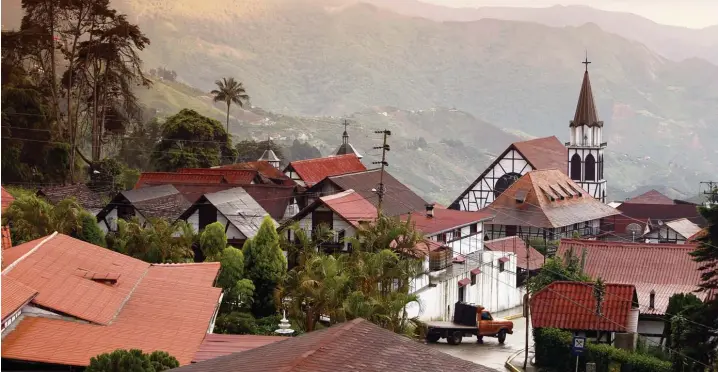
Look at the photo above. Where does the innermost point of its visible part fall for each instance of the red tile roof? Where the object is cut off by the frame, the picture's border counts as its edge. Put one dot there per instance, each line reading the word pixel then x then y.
pixel 235 176
pixel 651 197
pixel 312 171
pixel 262 166
pixel 444 220
pixel 544 153
pixel 356 345
pixel 517 246
pixel 572 305
pixel 216 345
pixel 151 307
pixel 12 254
pixel 350 206
pixel 665 268
pixel 7 199
pixel 14 295
pixel 548 199
pixel 165 178
pixel 6 238
pixel 586 113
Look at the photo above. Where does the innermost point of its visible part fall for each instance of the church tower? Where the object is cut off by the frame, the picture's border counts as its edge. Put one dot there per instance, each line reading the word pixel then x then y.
pixel 269 156
pixel 585 149
pixel 346 147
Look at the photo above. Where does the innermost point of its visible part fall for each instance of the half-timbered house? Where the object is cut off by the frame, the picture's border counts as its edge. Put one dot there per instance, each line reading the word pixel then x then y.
pixel 677 231
pixel 546 203
pixel 518 159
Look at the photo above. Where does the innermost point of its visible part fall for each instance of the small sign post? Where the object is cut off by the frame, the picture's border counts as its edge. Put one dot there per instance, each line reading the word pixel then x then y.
pixel 577 347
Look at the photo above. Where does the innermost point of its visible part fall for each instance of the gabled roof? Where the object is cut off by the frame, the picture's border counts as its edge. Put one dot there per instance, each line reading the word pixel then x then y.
pixel 150 307
pixel 7 199
pixel 651 197
pixel 356 345
pixel 263 167
pixel 398 198
pixel 240 209
pixel 87 198
pixel 348 205
pixel 665 268
pixel 14 295
pixel 586 113
pixel 273 198
pixel 683 226
pixel 215 345
pixel 516 245
pixel 444 220
pixel 152 202
pixel 168 178
pixel 347 149
pixel 547 199
pixel 540 153
pixel 572 305
pixel 311 171
pixel 233 176
pixel 641 213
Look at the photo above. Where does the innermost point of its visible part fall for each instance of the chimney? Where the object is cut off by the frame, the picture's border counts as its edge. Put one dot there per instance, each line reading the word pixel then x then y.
pixel 652 300
pixel 430 210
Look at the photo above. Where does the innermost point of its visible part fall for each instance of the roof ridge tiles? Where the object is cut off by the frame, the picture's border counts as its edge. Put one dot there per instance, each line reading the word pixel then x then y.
pixel 129 295
pixel 343 328
pixel 618 245
pixel 33 250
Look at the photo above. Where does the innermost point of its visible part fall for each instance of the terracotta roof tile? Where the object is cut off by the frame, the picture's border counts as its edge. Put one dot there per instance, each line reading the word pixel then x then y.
pixel 168 307
pixel 665 268
pixel 14 295
pixel 355 345
pixel 6 238
pixel 651 197
pixel 7 199
pixel 398 198
pixel 533 201
pixel 263 167
pixel 165 178
pixel 312 171
pixel 235 176
pixel 586 113
pixel 87 198
pixel 444 220
pixel 516 245
pixel 544 153
pixel 216 345
pixel 572 305
pixel 12 254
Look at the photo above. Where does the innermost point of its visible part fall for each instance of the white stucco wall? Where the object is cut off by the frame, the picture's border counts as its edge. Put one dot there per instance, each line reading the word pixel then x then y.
pixel 338 225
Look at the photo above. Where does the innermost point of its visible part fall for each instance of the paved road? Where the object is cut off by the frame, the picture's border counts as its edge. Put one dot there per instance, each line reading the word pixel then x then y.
pixel 490 353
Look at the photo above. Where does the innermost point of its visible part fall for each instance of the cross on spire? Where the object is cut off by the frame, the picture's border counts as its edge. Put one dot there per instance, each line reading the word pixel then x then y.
pixel 345 123
pixel 586 62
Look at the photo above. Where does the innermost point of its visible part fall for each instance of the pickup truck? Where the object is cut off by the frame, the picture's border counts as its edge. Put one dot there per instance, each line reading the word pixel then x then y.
pixel 486 325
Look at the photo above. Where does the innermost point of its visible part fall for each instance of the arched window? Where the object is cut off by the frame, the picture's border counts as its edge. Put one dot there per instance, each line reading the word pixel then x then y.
pixel 590 168
pixel 576 167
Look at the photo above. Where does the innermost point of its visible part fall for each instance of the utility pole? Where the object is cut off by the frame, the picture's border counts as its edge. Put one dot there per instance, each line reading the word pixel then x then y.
pixel 384 148
pixel 528 301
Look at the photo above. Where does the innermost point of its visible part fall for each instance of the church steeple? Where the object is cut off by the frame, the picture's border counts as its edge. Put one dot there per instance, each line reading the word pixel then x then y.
pixel 269 156
pixel 585 148
pixel 346 147
pixel 586 113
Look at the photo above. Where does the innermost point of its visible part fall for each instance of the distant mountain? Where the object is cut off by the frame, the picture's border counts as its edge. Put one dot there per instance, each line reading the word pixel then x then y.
pixel 670 41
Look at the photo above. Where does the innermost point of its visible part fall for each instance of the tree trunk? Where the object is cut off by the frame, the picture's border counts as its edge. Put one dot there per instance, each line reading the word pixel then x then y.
pixel 228 103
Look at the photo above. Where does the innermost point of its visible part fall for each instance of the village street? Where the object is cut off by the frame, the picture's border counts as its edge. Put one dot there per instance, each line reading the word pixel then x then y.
pixel 490 354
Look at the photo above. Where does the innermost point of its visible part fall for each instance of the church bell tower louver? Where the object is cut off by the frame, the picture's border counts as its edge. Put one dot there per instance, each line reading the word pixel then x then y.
pixel 586 146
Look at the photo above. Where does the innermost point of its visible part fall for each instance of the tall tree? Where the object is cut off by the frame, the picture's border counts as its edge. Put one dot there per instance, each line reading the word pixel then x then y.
pixel 32 217
pixel 230 91
pixel 266 266
pixel 190 140
pixel 707 251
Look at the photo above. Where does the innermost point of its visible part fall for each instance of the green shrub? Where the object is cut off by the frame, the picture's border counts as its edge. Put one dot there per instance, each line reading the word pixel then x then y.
pixel 553 349
pixel 603 354
pixel 90 231
pixel 236 323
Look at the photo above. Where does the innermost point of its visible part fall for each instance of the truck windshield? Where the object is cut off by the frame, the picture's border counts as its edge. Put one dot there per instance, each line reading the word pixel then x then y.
pixel 485 316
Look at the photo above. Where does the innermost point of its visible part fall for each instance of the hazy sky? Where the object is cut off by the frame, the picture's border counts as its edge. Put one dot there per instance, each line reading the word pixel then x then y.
pixel 688 13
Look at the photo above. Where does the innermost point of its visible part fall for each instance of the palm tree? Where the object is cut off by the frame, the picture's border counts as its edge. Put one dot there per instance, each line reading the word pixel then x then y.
pixel 230 91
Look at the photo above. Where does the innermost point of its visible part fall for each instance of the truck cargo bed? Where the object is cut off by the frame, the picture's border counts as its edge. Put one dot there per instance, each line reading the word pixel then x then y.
pixel 450 325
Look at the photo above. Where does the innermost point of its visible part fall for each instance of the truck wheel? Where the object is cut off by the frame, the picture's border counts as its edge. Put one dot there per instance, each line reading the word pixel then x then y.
pixel 502 336
pixel 432 337
pixel 455 338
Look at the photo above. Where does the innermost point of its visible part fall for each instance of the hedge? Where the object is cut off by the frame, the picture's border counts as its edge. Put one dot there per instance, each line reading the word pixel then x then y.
pixel 553 353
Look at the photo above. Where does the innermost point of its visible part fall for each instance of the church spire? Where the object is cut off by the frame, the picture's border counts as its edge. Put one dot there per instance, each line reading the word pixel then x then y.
pixel 269 156
pixel 346 147
pixel 586 113
pixel 345 135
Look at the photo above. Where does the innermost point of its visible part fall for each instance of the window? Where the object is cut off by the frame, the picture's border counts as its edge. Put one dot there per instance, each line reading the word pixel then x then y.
pixel 441 237
pixel 510 230
pixel 501 266
pixel 473 279
pixel 473 229
pixel 485 316
pixel 462 294
pixel 457 234
pixel 576 167
pixel 590 168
